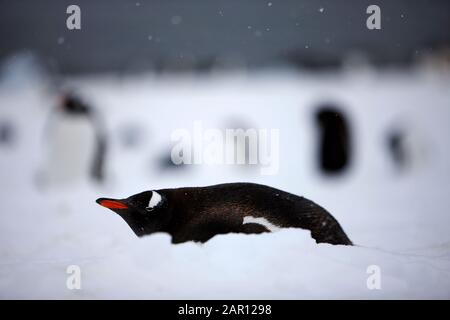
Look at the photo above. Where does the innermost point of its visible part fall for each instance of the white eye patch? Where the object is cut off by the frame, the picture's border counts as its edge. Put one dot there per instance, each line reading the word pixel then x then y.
pixel 154 200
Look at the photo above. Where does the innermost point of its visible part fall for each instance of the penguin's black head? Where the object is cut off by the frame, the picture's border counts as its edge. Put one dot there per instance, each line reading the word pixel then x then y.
pixel 73 105
pixel 329 115
pixel 145 212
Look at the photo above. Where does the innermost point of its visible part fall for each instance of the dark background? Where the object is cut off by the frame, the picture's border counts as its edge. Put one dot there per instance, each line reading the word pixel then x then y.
pixel 115 34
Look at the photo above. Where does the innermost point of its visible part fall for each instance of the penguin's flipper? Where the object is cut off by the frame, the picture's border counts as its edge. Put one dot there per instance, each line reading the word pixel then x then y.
pixel 98 164
pixel 252 228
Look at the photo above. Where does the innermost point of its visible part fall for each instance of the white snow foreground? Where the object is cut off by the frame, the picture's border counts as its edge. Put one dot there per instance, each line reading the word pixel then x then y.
pixel 37 249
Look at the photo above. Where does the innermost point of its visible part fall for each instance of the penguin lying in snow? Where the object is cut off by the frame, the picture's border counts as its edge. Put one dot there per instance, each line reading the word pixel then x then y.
pixel 198 214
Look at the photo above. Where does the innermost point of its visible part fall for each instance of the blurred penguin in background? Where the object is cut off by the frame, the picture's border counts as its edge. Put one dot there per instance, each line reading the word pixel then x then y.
pixel 406 147
pixel 396 147
pixel 76 143
pixel 334 139
pixel 7 133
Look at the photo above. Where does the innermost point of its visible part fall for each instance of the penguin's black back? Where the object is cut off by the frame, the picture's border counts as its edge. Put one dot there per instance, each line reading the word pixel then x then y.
pixel 207 211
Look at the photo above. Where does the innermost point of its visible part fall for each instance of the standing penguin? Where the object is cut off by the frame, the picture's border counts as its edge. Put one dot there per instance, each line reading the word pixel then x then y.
pixel 76 143
pixel 407 147
pixel 198 214
pixel 335 143
pixel 7 133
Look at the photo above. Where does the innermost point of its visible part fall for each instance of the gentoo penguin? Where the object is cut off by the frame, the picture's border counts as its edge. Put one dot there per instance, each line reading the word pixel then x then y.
pixel 198 214
pixel 335 145
pixel 407 148
pixel 76 143
pixel 7 133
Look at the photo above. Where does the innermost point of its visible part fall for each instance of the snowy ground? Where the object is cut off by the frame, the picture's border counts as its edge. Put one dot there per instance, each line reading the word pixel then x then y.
pixel 399 220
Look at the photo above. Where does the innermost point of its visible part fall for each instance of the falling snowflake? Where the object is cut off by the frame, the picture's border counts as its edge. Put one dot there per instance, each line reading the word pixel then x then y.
pixel 321 10
pixel 269 4
pixel 176 20
pixel 60 40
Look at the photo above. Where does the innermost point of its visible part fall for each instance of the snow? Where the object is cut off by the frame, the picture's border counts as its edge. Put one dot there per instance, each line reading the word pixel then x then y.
pixel 399 221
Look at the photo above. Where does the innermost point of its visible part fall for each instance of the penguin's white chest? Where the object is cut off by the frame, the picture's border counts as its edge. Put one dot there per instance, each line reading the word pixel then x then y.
pixel 71 149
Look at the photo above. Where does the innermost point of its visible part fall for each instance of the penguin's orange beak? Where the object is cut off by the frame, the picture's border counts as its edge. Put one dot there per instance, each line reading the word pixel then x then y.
pixel 112 204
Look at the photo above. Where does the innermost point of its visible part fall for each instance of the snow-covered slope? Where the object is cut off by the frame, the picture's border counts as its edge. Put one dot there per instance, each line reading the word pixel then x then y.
pixel 399 220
